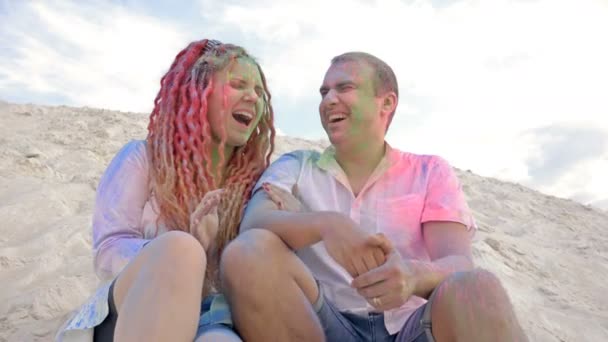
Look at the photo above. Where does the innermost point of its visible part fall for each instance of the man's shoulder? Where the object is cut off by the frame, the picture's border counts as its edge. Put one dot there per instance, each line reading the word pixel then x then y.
pixel 418 159
pixel 290 163
pixel 302 156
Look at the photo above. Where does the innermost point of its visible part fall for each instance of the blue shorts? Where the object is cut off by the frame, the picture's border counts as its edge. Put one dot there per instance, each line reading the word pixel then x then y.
pixel 348 327
pixel 215 314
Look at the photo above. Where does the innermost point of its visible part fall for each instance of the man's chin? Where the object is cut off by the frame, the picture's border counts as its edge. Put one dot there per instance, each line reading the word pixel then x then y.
pixel 337 138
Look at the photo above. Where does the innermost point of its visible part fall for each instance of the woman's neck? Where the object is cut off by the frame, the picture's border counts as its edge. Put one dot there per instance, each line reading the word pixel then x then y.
pixel 219 170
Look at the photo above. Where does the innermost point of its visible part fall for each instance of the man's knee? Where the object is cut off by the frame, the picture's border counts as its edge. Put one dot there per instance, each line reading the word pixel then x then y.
pixel 250 247
pixel 249 252
pixel 472 290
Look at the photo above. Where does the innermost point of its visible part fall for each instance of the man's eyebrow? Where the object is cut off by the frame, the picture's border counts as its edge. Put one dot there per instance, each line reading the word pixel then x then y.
pixel 345 83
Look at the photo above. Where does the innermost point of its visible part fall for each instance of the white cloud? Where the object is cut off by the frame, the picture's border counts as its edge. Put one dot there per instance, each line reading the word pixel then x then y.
pixel 474 75
pixel 110 58
pixel 484 71
pixel 279 132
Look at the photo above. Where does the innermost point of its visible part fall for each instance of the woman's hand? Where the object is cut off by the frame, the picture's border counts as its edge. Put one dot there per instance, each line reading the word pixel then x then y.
pixel 284 200
pixel 204 220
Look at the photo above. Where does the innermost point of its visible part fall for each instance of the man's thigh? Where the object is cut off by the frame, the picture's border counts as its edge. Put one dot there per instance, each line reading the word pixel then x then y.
pixel 335 325
pixel 418 327
pixel 348 327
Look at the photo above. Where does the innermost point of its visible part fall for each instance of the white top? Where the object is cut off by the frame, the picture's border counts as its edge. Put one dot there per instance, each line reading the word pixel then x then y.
pixel 124 218
pixel 403 192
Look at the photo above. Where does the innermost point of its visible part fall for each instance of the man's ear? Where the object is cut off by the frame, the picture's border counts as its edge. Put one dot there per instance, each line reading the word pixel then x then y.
pixel 389 103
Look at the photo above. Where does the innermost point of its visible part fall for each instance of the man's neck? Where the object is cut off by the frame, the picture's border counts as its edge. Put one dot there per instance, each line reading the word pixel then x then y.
pixel 359 160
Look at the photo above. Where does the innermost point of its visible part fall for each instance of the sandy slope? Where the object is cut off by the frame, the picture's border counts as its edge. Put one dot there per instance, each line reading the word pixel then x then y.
pixel 551 254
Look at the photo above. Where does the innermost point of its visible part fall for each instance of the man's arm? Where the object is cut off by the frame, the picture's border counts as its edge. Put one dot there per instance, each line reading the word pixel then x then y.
pixel 296 229
pixel 390 285
pixel 449 246
pixel 446 229
pixel 354 249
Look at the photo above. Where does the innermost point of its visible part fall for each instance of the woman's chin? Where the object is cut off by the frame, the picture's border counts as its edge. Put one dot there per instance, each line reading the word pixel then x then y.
pixel 237 140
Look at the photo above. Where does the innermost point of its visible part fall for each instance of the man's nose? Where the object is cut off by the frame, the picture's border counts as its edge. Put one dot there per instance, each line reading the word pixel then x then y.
pixel 330 98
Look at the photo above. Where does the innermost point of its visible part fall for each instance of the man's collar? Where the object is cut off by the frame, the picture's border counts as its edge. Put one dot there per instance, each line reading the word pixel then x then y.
pixel 328 158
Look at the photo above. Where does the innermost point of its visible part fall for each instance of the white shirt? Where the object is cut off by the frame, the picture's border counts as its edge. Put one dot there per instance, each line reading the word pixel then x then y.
pixel 125 214
pixel 403 192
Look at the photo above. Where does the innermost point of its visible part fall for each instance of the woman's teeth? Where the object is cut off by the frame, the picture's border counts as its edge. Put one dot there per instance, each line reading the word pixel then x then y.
pixel 243 117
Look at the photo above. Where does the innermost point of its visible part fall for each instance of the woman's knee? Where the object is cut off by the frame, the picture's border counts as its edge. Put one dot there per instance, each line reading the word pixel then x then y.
pixel 174 257
pixel 179 251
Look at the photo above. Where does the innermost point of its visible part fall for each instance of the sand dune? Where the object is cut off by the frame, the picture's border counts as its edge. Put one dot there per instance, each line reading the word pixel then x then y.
pixel 550 253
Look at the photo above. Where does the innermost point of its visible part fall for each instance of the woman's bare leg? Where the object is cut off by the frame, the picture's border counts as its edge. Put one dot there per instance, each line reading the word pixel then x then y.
pixel 158 294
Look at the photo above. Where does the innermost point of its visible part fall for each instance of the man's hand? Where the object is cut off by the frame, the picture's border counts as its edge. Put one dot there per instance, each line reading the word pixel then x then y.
pixel 357 251
pixel 204 220
pixel 388 286
pixel 284 200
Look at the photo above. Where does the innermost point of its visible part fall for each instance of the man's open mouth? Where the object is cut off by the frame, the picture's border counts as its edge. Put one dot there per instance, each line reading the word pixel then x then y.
pixel 333 118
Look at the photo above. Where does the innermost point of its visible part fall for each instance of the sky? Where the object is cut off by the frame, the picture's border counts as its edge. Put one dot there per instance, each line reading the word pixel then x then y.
pixel 516 90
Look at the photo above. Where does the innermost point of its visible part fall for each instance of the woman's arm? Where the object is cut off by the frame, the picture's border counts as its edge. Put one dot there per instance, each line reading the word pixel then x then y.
pixel 121 196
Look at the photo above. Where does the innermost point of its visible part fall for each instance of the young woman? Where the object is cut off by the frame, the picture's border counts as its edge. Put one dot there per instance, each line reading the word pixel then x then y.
pixel 167 206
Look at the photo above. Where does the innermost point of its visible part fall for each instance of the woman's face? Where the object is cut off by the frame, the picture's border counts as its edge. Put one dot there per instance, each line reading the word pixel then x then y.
pixel 236 102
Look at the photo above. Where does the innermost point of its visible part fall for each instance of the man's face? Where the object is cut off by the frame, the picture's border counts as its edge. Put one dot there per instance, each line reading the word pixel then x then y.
pixel 349 108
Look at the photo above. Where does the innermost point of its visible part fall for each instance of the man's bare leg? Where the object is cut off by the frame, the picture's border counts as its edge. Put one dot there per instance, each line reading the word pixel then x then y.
pixel 158 294
pixel 269 289
pixel 473 306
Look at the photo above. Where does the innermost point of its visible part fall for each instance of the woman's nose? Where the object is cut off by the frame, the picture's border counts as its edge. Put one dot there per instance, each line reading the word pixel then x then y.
pixel 251 95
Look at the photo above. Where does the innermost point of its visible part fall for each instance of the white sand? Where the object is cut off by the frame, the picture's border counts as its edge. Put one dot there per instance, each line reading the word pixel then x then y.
pixel 551 254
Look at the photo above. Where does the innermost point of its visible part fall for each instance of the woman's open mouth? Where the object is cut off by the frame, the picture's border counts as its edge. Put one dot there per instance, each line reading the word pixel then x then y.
pixel 243 117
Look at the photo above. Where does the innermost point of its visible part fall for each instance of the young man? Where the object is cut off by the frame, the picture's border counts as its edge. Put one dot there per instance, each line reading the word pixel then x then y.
pixel 382 251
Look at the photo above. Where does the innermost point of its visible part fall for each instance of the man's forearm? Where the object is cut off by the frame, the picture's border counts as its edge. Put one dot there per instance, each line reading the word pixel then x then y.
pixel 430 274
pixel 297 230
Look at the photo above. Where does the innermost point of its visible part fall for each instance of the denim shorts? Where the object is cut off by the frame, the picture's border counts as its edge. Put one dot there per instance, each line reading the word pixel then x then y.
pixel 215 314
pixel 348 327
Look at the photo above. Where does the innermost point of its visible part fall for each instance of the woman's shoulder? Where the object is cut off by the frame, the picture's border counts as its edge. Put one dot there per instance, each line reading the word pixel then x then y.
pixel 130 158
pixel 133 151
pixel 135 146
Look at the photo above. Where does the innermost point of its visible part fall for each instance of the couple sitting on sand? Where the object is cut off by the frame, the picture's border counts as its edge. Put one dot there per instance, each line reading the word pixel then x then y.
pixel 198 238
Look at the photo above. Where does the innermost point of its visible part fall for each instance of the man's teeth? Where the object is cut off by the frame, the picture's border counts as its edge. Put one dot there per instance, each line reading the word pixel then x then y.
pixel 336 117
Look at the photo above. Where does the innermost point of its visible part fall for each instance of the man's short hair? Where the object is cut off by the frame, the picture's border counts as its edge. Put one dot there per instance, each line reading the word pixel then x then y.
pixel 384 77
